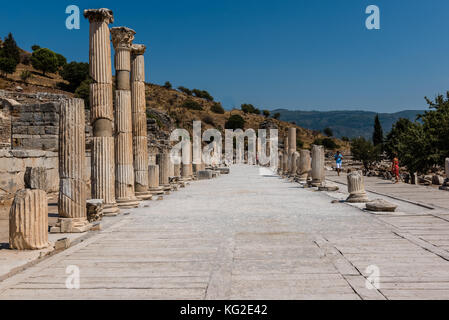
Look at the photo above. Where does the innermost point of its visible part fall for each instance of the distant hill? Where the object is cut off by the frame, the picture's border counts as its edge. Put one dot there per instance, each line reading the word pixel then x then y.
pixel 345 123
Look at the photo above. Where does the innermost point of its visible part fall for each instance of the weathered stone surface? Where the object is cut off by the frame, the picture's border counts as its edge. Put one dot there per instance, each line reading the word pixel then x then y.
pixel 36 178
pixel 164 161
pixel 153 175
pixel 205 175
pixel 224 170
pixel 72 150
pixel 94 209
pixel 28 221
pixel 380 205
pixel 356 188
pixel 318 173
pixel 437 180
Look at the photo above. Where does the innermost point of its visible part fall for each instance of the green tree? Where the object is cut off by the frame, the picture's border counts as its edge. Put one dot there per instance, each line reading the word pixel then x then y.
pixel 328 143
pixel 277 116
pixel 192 105
pixel 75 73
pixel 328 132
pixel 185 90
pixel 363 150
pixel 266 113
pixel 62 61
pixel 378 135
pixel 25 75
pixel 10 49
pixel 35 47
pixel 235 122
pixel 83 91
pixel 7 66
pixel 44 60
pixel 202 94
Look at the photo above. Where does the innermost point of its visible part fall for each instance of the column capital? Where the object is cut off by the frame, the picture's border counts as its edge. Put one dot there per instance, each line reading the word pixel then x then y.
pixel 138 49
pixel 99 15
pixel 122 37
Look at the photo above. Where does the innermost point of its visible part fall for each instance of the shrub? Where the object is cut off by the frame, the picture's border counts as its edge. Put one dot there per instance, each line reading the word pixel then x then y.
pixel 209 120
pixel 249 108
pixel 25 75
pixel 44 60
pixel 277 116
pixel 235 122
pixel 62 61
pixel 217 108
pixel 35 47
pixel 192 105
pixel 266 113
pixel 299 143
pixel 185 90
pixel 202 94
pixel 327 143
pixel 167 85
pixel 345 139
pixel 328 132
pixel 75 73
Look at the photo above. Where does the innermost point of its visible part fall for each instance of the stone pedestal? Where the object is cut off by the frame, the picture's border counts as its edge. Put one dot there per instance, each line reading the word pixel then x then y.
pixel 293 164
pixel 318 174
pixel 28 221
pixel 380 205
pixel 305 165
pixel 102 117
pixel 356 188
pixel 163 160
pixel 139 121
pixel 72 153
pixel 122 38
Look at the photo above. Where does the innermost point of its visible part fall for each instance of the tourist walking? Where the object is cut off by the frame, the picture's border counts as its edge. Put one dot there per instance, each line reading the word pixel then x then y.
pixel 395 169
pixel 339 160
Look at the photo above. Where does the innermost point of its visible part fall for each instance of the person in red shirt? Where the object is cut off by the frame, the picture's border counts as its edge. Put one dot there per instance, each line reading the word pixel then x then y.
pixel 395 169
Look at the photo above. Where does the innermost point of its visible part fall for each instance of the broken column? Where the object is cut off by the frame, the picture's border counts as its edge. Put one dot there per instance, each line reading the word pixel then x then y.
pixel 304 165
pixel 318 174
pixel 285 156
pixel 356 188
pixel 102 117
pixel 122 38
pixel 294 162
pixel 139 121
pixel 72 153
pixel 186 166
pixel 28 221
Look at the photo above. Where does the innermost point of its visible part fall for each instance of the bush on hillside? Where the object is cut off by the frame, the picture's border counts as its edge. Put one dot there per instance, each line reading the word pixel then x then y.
pixel 192 105
pixel 75 73
pixel 235 122
pixel 217 108
pixel 45 60
pixel 185 90
pixel 327 143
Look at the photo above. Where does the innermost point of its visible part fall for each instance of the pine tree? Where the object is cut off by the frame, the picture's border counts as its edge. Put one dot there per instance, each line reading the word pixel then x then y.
pixel 378 136
pixel 10 49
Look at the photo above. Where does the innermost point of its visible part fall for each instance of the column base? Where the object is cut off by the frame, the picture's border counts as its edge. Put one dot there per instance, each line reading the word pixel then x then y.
pixel 358 198
pixel 111 210
pixel 128 203
pixel 157 191
pixel 315 183
pixel 71 225
pixel 144 196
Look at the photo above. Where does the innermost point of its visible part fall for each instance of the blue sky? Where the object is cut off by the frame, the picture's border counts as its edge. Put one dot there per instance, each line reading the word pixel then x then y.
pixel 302 54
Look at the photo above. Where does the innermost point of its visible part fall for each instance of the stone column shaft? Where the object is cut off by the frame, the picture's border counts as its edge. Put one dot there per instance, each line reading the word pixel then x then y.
pixel 122 38
pixel 72 153
pixel 356 188
pixel 304 165
pixel 101 107
pixel 28 221
pixel 139 118
pixel 318 174
pixel 163 160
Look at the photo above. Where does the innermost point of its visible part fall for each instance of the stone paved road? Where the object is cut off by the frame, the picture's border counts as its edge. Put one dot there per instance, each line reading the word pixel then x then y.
pixel 243 236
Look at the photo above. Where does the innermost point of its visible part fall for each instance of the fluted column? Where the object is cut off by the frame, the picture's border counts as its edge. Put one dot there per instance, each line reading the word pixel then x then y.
pixel 186 167
pixel 318 174
pixel 294 162
pixel 304 165
pixel 28 221
pixel 72 153
pixel 291 150
pixel 122 38
pixel 101 105
pixel 285 156
pixel 356 188
pixel 139 118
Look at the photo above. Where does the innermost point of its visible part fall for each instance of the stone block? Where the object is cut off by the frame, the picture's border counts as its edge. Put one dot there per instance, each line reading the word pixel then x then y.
pixel 380 205
pixel 205 175
pixel 36 178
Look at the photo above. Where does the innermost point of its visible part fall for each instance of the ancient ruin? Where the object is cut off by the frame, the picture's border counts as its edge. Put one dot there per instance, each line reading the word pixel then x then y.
pixel 102 115
pixel 318 174
pixel 356 188
pixel 305 165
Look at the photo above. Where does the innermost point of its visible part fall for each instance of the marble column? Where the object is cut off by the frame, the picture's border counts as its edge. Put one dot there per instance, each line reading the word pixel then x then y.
pixel 294 162
pixel 139 120
pixel 72 161
pixel 305 165
pixel 163 161
pixel 356 188
pixel 318 174
pixel 122 38
pixel 101 105
pixel 153 180
pixel 291 150
pixel 186 167
pixel 28 221
pixel 285 156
